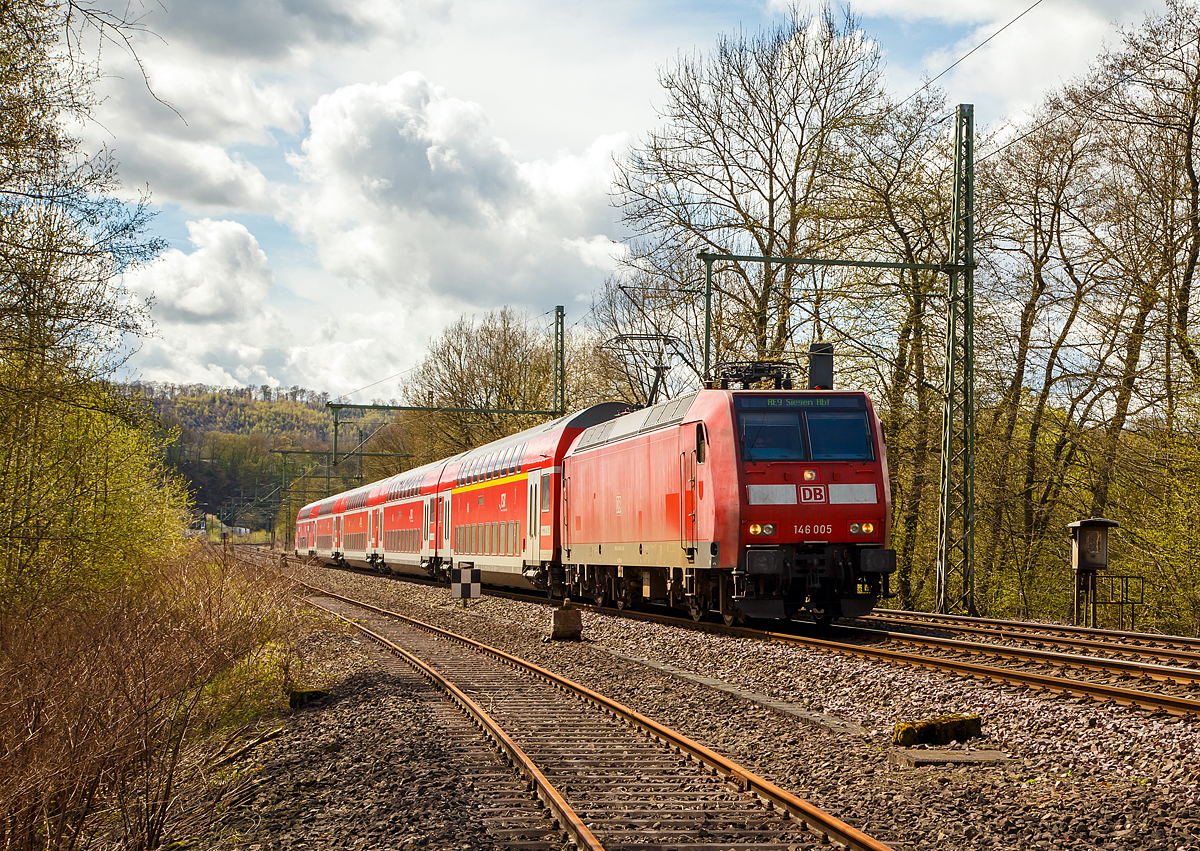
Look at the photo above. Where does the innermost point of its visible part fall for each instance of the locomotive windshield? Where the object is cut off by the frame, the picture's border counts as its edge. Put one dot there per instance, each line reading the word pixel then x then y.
pixel 838 436
pixel 771 436
pixel 811 428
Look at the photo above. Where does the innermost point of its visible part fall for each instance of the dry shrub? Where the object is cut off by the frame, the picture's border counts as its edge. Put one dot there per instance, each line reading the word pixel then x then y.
pixel 101 706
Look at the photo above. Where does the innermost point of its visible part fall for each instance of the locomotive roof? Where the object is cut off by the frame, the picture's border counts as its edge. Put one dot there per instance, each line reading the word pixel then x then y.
pixel 636 422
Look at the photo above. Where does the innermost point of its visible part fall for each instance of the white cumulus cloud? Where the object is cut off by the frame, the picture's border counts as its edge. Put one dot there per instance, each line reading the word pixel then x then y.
pixel 408 190
pixel 225 278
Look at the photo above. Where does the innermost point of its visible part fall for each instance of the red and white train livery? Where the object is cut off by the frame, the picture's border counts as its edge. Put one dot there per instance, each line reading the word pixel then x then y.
pixel 746 503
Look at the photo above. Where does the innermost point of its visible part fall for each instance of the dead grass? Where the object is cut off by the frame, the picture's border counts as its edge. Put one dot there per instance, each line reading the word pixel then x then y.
pixel 107 708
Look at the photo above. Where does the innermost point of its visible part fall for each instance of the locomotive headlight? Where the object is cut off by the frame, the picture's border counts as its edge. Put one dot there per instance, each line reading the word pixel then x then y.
pixel 810 475
pixel 762 529
pixel 862 528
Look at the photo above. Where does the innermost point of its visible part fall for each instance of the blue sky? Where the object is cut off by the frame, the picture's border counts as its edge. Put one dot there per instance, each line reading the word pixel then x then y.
pixel 345 178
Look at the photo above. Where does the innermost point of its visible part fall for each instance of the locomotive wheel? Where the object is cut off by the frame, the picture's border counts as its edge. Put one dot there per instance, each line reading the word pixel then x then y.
pixel 697 607
pixel 733 620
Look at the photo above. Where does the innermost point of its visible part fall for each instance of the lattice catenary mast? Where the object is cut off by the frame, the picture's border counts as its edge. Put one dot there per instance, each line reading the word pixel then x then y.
pixel 956 513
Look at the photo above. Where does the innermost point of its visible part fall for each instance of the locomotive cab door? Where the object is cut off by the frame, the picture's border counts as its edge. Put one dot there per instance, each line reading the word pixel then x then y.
pixel 687 502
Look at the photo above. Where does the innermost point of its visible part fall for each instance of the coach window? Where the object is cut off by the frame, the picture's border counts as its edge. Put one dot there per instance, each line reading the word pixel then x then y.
pixel 701 443
pixel 545 492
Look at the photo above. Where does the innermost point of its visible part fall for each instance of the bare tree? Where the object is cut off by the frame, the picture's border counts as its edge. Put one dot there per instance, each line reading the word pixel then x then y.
pixel 746 163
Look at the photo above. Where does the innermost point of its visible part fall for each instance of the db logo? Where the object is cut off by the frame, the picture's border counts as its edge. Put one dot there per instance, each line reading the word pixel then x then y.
pixel 812 493
pixel 502 497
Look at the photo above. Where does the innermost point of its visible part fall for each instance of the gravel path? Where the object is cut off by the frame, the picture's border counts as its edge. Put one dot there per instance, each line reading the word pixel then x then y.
pixel 1080 775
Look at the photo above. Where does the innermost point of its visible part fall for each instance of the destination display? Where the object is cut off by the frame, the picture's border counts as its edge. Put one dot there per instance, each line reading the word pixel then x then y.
pixel 854 401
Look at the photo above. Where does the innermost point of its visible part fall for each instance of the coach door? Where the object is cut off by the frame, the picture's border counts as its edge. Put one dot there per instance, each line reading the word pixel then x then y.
pixel 534 522
pixel 446 527
pixel 337 537
pixel 426 523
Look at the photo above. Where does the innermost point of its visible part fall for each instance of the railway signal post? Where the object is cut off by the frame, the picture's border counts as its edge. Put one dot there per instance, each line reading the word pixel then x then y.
pixel 1089 556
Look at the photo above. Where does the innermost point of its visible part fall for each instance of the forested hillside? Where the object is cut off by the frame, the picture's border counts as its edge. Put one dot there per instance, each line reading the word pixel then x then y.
pixel 198 409
pixel 228 445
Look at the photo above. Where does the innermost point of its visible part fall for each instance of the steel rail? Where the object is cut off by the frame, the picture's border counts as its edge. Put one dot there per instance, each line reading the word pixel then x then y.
pixel 802 811
pixel 1163 673
pixel 1140 650
pixel 1170 704
pixel 1031 626
pixel 567 818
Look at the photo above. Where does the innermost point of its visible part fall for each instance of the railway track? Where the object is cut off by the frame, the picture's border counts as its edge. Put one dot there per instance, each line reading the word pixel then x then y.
pixel 1113 679
pixel 1107 666
pixel 611 777
pixel 1162 649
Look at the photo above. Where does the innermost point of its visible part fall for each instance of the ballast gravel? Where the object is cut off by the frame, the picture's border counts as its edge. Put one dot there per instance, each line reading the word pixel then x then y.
pixel 363 768
pixel 1080 775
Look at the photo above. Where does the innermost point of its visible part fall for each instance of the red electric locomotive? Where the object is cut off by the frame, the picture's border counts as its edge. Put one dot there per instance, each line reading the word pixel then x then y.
pixel 744 503
pixel 751 503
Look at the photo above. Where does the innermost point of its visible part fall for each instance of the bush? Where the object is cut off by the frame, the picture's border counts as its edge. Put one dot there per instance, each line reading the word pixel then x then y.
pixel 100 706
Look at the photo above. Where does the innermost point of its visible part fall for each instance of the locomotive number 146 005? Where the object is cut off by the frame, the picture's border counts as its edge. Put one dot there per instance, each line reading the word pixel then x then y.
pixel 816 529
